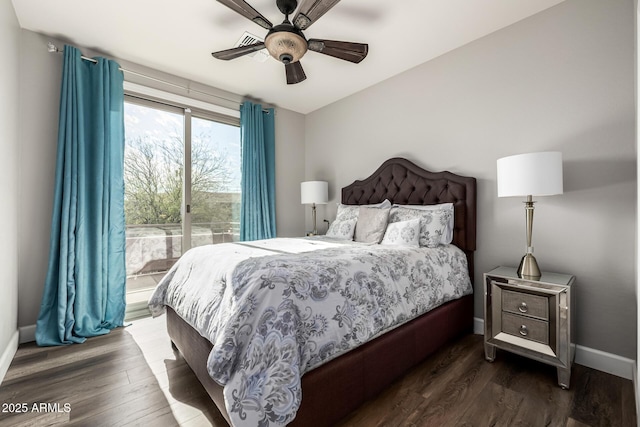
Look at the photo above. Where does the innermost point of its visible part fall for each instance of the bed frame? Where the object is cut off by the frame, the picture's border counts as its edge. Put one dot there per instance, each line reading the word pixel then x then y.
pixel 332 391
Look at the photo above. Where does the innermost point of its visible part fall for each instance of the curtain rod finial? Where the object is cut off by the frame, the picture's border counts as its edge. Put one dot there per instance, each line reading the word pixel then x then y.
pixel 52 47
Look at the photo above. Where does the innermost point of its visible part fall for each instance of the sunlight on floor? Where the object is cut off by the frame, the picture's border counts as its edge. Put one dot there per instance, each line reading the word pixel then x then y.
pixel 169 368
pixel 139 290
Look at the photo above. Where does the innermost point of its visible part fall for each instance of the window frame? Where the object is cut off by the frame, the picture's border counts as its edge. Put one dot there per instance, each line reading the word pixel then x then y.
pixel 187 113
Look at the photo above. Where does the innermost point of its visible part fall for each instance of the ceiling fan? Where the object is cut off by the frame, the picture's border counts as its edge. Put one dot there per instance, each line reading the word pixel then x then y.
pixel 286 43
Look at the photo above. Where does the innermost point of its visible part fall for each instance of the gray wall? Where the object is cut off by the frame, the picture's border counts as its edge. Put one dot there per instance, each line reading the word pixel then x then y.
pixel 289 173
pixel 636 16
pixel 9 141
pixel 39 104
pixel 40 94
pixel 559 80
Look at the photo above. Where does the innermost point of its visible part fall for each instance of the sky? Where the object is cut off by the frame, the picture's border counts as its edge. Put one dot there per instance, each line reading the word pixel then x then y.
pixel 147 122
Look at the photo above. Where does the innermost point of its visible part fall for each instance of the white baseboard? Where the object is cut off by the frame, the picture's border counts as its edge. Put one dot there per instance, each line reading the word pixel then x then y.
pixel 27 333
pixel 591 358
pixel 635 388
pixel 478 326
pixel 7 355
pixel 605 362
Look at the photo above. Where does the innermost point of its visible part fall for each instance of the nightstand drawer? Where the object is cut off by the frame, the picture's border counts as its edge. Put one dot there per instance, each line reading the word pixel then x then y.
pixel 527 304
pixel 525 327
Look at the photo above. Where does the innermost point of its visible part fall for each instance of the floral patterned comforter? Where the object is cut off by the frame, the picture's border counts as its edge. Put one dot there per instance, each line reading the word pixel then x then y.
pixel 275 309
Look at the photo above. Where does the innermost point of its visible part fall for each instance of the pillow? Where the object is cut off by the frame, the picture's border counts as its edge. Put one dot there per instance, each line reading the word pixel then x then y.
pixel 351 211
pixel 372 222
pixel 403 233
pixel 448 235
pixel 433 223
pixel 342 229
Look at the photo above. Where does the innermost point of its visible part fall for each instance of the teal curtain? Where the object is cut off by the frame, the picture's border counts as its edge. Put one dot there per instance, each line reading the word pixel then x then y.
pixel 257 211
pixel 84 292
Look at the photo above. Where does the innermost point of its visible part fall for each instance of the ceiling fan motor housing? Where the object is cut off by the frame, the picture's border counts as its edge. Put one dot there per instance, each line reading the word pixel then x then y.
pixel 287 6
pixel 286 43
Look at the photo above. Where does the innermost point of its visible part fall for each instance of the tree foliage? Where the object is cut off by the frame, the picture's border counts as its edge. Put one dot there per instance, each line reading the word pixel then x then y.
pixel 153 181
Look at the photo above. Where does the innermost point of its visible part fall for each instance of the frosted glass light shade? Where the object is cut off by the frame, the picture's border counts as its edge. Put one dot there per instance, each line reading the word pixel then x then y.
pixel 532 174
pixel 284 44
pixel 314 192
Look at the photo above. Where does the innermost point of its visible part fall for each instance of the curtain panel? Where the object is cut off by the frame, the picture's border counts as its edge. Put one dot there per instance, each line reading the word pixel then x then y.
pixel 257 211
pixel 84 292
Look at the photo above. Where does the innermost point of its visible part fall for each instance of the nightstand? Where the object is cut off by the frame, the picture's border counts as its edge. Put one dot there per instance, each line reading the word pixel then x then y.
pixel 531 318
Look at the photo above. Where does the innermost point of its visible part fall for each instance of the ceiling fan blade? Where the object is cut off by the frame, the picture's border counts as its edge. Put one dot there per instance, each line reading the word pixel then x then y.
pixel 246 10
pixel 310 11
pixel 295 73
pixel 237 52
pixel 352 52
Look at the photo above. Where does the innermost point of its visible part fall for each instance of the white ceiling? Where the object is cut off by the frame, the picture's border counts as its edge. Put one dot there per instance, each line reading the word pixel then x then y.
pixel 178 37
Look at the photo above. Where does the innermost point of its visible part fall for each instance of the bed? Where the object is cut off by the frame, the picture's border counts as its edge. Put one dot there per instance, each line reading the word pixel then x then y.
pixel 343 381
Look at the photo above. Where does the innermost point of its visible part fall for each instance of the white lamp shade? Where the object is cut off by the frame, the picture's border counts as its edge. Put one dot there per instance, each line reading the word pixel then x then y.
pixel 314 192
pixel 532 174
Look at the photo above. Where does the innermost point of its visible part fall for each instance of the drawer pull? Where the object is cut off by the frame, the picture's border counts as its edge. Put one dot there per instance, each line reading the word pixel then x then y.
pixel 522 308
pixel 524 331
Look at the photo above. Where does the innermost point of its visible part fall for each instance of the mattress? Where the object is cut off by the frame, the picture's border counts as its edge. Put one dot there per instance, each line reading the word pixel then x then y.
pixel 277 308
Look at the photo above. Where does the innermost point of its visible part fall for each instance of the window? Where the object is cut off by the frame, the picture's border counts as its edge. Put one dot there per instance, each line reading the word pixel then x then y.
pixel 182 187
pixel 215 182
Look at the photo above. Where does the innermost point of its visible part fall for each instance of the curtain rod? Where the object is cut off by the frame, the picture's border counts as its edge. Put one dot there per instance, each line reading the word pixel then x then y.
pixel 52 48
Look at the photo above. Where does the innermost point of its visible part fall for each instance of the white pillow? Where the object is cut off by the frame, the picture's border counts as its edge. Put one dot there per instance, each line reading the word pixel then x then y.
pixel 403 233
pixel 433 223
pixel 342 229
pixel 448 235
pixel 346 212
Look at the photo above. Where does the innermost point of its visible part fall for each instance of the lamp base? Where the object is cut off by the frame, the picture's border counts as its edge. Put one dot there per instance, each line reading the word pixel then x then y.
pixel 528 268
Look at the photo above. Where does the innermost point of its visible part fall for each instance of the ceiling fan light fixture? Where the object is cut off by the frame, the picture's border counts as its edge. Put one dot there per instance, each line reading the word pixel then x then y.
pixel 286 46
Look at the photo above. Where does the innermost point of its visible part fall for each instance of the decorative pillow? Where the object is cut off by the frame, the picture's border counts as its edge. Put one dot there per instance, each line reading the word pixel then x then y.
pixel 433 223
pixel 403 233
pixel 351 211
pixel 372 222
pixel 342 229
pixel 448 235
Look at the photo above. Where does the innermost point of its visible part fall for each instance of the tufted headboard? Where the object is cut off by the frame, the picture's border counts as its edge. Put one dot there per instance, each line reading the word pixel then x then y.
pixel 405 183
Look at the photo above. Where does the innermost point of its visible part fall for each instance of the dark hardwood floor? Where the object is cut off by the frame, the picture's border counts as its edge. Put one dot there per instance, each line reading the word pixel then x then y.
pixel 131 377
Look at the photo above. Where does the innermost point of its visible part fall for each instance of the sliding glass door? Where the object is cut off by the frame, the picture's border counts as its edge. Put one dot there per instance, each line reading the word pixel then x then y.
pixel 182 187
pixel 215 182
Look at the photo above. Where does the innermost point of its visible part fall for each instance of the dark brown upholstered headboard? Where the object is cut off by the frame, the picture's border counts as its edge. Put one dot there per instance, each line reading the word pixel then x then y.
pixel 405 183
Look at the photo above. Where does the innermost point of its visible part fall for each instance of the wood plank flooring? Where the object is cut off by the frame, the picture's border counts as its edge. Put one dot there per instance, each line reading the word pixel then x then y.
pixel 131 377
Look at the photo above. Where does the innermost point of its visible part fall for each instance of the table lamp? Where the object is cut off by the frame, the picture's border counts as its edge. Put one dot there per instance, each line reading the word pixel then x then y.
pixel 532 174
pixel 314 193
